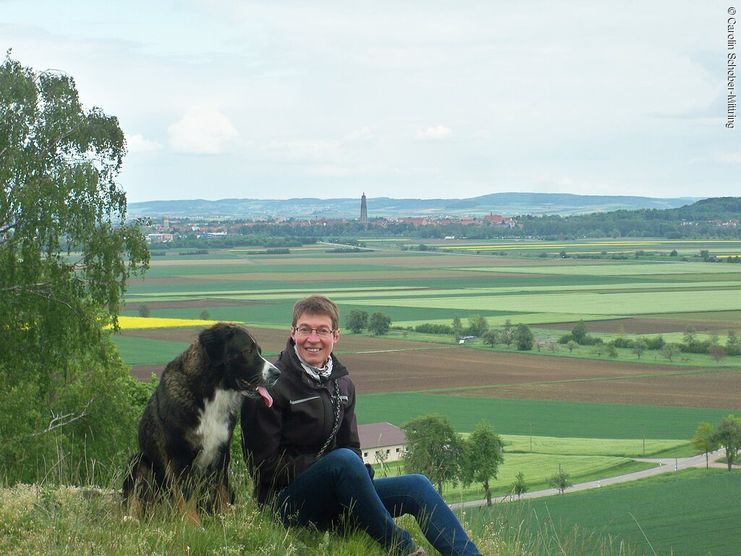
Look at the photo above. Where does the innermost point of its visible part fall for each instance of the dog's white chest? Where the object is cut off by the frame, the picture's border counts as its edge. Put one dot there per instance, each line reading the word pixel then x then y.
pixel 214 427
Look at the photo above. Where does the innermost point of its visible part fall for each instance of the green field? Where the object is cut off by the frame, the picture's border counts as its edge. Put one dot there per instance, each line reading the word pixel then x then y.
pixel 540 417
pixel 436 287
pixel 687 513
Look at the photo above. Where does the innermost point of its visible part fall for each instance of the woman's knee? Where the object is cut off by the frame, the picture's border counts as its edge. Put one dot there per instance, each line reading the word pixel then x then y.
pixel 346 460
pixel 420 482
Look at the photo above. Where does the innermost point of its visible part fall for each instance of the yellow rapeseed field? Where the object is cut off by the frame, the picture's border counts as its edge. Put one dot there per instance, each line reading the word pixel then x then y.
pixel 133 323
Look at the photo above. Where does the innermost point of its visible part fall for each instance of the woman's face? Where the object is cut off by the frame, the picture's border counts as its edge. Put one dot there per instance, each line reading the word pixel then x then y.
pixel 313 347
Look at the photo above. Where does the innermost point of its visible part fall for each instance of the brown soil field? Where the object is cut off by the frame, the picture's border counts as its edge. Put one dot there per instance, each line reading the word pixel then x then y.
pixel 638 325
pixel 387 365
pixel 717 390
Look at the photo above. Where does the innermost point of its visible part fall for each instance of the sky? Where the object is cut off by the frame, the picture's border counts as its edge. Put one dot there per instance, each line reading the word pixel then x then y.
pixel 405 99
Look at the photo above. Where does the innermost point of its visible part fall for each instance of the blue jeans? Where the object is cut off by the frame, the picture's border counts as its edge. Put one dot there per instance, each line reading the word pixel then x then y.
pixel 338 487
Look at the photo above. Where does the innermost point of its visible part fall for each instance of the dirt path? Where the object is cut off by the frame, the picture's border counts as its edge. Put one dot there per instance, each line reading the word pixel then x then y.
pixel 664 465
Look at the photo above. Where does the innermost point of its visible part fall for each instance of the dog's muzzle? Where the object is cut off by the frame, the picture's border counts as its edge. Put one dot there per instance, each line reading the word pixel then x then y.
pixel 269 376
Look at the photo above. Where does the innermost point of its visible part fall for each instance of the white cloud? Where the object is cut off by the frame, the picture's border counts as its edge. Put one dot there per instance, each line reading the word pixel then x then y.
pixel 137 143
pixel 202 131
pixel 434 133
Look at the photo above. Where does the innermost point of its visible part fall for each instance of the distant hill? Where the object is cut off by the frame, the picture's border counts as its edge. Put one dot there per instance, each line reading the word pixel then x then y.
pixel 508 204
pixel 717 208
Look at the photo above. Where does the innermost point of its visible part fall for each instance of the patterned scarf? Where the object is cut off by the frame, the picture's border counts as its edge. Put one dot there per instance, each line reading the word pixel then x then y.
pixel 319 374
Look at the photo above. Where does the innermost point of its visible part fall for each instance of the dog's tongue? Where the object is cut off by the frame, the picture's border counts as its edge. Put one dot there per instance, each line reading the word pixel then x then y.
pixel 266 397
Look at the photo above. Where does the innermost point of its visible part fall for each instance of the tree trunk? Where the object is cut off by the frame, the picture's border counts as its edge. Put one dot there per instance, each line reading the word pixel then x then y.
pixel 488 493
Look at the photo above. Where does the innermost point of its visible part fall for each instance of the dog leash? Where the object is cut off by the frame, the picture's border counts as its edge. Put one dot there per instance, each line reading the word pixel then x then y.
pixel 336 427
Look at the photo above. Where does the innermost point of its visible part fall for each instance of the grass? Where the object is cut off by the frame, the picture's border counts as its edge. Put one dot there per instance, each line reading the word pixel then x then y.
pixel 54 519
pixel 690 512
pixel 627 447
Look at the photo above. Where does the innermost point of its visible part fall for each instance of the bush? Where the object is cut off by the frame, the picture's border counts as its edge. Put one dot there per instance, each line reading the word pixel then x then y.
pixel 84 431
pixel 656 342
pixel 696 346
pixel 429 328
pixel 623 343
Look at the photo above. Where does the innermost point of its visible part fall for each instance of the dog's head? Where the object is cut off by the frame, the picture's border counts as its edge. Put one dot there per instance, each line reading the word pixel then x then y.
pixel 231 348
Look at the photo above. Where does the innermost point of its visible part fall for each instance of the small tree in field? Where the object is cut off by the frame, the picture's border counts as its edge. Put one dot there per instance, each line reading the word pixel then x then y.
pixel 560 480
pixel 704 440
pixel 579 332
pixel 728 436
pixel 524 338
pixel 717 352
pixel 639 346
pixel 482 455
pixel 491 337
pixel 519 487
pixel 144 311
pixel 477 325
pixel 508 333
pixel 457 327
pixel 670 350
pixel 434 449
pixel 379 324
pixel 356 320
pixel 205 315
pixel 733 346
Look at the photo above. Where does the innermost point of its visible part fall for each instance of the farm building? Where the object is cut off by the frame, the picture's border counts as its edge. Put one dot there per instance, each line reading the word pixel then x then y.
pixel 381 442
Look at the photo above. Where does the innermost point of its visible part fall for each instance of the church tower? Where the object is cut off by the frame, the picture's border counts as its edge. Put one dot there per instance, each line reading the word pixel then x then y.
pixel 363 210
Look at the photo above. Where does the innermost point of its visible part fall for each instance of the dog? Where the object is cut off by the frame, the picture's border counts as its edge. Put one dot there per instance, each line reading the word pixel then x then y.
pixel 187 426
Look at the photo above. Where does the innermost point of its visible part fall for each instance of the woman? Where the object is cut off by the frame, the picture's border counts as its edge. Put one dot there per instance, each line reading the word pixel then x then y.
pixel 304 453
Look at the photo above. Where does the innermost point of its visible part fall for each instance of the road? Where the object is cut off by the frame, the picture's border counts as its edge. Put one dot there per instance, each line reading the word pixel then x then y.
pixel 664 465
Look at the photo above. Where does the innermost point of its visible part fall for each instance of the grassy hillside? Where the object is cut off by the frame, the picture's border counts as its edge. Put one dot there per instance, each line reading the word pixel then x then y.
pixel 690 512
pixel 48 519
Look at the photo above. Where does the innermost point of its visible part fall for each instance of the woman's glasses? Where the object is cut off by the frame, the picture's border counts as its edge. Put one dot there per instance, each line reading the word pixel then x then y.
pixel 305 331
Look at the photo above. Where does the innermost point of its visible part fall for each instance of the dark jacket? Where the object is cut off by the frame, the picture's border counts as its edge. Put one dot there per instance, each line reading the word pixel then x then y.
pixel 281 442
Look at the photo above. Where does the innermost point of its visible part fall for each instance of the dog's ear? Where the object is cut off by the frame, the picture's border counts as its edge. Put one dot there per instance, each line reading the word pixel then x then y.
pixel 214 340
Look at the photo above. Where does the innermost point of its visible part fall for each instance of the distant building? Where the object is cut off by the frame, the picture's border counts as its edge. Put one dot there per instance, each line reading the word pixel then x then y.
pixel 363 210
pixel 159 238
pixel 381 441
pixel 499 220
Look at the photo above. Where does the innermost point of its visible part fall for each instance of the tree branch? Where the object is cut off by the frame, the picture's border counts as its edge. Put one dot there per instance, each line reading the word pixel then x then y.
pixel 7 227
pixel 59 421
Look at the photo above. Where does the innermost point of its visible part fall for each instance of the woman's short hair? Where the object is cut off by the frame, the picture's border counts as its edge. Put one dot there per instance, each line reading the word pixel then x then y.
pixel 317 305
